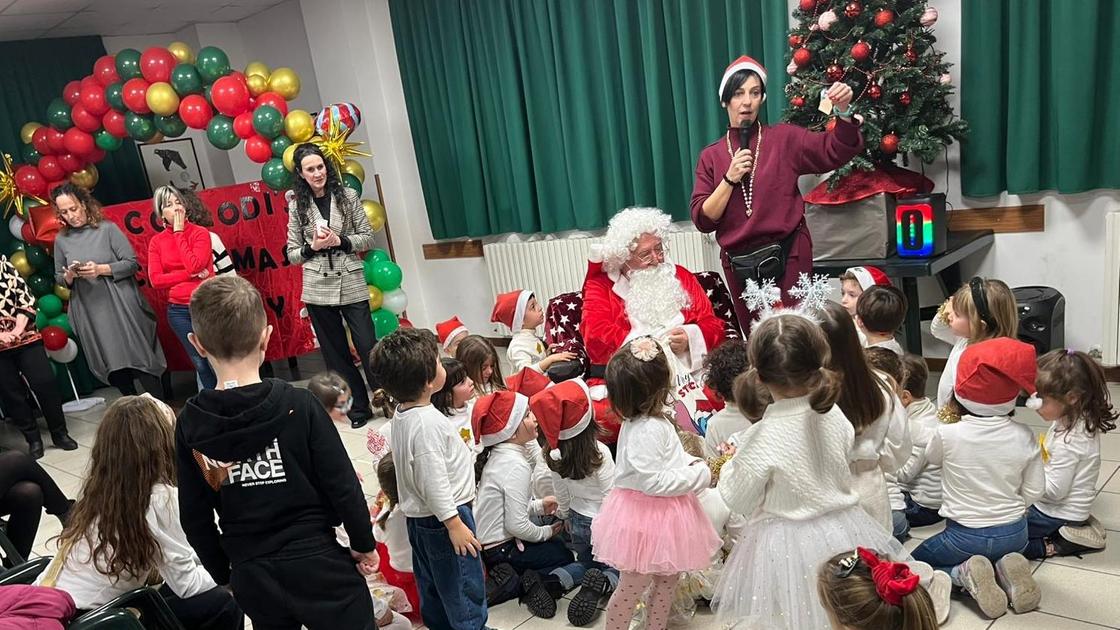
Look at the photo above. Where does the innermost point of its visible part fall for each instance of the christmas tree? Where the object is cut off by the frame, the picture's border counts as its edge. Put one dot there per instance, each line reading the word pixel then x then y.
pixel 884 50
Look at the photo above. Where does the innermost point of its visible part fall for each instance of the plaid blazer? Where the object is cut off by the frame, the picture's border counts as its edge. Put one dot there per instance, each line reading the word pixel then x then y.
pixel 331 277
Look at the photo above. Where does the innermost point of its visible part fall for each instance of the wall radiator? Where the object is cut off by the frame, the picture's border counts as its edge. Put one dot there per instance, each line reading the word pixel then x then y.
pixel 554 266
pixel 1110 352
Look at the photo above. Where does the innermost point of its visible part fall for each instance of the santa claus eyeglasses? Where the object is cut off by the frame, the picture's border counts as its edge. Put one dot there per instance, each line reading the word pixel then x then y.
pixel 655 255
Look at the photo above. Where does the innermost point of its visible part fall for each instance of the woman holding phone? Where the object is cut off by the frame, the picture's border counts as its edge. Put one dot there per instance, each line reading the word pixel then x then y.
pixel 327 228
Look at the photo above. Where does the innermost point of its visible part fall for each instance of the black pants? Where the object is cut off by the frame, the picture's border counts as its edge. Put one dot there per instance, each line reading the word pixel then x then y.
pixel 214 609
pixel 30 362
pixel 310 582
pixel 124 380
pixel 327 322
pixel 25 489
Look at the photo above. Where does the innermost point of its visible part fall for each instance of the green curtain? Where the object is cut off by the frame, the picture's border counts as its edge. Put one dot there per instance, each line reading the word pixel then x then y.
pixel 549 115
pixel 1039 88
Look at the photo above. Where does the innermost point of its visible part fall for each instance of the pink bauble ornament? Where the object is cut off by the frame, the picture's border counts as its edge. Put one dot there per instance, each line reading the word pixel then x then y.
pixel 929 17
pixel 945 79
pixel 826 20
pixel 791 68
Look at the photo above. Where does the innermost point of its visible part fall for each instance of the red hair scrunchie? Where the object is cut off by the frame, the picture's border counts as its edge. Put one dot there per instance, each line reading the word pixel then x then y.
pixel 893 580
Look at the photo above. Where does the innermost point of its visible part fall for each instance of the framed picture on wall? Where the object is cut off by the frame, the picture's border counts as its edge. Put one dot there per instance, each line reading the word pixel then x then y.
pixel 172 162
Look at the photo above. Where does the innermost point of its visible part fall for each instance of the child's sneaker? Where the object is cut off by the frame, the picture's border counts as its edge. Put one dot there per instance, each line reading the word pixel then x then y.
pixel 978 578
pixel 584 607
pixel 1087 536
pixel 940 588
pixel 1013 572
pixel 536 597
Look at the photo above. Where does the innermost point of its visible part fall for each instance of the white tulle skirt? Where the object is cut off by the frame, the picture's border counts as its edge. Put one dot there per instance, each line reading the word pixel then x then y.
pixel 770 579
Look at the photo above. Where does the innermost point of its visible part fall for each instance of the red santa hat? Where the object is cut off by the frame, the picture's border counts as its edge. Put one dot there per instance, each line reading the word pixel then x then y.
pixel 448 330
pixel 869 276
pixel 742 63
pixel 563 412
pixel 496 416
pixel 992 373
pixel 509 308
pixel 528 382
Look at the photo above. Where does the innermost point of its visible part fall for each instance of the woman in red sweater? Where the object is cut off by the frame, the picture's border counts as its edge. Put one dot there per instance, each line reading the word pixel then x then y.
pixel 179 259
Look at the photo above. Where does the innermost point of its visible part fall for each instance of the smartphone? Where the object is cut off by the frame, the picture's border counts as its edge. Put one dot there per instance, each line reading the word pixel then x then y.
pixel 321 227
pixel 74 266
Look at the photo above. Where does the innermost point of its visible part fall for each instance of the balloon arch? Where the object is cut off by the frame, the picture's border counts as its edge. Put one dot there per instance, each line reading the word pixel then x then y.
pixel 159 94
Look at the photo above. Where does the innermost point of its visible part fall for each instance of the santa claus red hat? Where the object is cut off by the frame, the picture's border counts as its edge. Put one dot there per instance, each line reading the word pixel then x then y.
pixel 509 309
pixel 528 382
pixel 869 276
pixel 991 374
pixel 448 330
pixel 496 416
pixel 742 63
pixel 562 412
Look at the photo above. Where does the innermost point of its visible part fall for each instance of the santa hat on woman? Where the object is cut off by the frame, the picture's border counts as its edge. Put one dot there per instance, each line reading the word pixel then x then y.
pixel 509 309
pixel 991 375
pixel 496 417
pixel 742 63
pixel 869 276
pixel 563 411
pixel 448 330
pixel 528 382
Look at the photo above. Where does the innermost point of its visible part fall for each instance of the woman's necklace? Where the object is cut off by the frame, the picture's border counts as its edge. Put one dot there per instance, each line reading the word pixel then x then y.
pixel 748 190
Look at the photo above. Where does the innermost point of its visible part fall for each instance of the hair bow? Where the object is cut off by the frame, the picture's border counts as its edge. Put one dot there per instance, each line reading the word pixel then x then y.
pixel 893 580
pixel 644 348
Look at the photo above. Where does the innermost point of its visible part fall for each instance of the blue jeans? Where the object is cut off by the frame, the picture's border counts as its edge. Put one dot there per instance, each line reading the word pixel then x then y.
pixel 1041 526
pixel 901 525
pixel 919 515
pixel 179 318
pixel 451 588
pixel 579 531
pixel 958 543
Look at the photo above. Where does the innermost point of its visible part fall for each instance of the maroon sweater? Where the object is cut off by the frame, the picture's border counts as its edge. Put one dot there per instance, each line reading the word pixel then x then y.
pixel 787 152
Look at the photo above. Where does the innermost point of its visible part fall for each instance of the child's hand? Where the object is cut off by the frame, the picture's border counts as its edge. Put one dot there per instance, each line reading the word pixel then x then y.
pixel 367 562
pixel 557 527
pixel 462 539
pixel 727 449
pixel 550 505
pixel 558 357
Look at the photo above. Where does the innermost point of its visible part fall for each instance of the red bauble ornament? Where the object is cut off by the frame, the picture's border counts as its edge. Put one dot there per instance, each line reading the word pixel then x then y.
pixel 861 51
pixel 797 101
pixel 883 17
pixel 834 72
pixel 911 54
pixel 889 143
pixel 794 41
pixel 802 56
pixel 904 98
pixel 831 124
pixel 853 9
pixel 874 91
pixel 808 5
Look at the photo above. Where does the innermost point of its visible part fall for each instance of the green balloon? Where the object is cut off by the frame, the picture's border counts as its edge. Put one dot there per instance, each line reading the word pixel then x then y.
pixel 14 245
pixel 50 304
pixel 376 255
pixel 220 132
pixel 206 92
pixel 212 64
pixel 61 320
pixel 384 322
pixel 140 127
pixel 41 283
pixel 58 115
pixel 106 141
pixel 268 121
pixel 386 275
pixel 170 126
pixel 275 175
pixel 352 182
pixel 114 95
pixel 185 80
pixel 31 155
pixel 37 257
pixel 128 64
pixel 279 145
pixel 41 320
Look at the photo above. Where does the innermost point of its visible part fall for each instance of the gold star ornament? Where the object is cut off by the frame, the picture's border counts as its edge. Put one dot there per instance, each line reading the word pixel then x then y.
pixel 335 145
pixel 10 196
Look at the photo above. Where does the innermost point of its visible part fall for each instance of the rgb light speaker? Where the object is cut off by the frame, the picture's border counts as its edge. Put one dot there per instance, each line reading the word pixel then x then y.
pixel 920 224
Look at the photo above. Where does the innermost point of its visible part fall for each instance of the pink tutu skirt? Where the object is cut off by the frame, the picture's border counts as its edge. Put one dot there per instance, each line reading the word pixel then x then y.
pixel 653 535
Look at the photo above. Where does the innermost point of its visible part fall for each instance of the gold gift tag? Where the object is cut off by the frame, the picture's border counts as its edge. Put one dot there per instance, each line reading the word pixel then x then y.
pixel 826 103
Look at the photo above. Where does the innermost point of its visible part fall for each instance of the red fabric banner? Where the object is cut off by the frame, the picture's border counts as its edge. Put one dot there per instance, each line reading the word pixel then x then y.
pixel 252 222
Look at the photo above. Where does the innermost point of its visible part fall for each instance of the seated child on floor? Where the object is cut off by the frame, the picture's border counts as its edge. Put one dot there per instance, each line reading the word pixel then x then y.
pixel 520 311
pixel 456 399
pixel 723 365
pixel 887 362
pixel 391 535
pixel 880 311
pixel 862 591
pixel 919 479
pixel 450 333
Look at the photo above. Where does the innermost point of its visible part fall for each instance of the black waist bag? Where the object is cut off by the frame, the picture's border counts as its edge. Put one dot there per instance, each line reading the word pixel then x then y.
pixel 765 263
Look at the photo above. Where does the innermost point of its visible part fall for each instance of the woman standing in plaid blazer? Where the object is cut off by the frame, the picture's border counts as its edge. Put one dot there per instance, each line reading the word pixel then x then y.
pixel 326 229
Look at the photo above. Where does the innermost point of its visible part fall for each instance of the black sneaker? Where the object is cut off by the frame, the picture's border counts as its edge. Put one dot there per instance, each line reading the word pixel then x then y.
pixel 536 597
pixel 584 607
pixel 1063 547
pixel 358 419
pixel 502 584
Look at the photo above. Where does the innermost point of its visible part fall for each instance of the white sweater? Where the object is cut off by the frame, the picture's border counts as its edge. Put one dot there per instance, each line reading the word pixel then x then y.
pixel 652 461
pixel 176 562
pixel 504 502
pixel 721 426
pixel 890 344
pixel 525 351
pixel 395 538
pixel 991 470
pixel 792 464
pixel 917 476
pixel 948 380
pixel 887 440
pixel 585 496
pixel 435 468
pixel 1071 472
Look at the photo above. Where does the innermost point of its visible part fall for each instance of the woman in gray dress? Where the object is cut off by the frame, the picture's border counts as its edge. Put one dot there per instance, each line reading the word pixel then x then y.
pixel 115 324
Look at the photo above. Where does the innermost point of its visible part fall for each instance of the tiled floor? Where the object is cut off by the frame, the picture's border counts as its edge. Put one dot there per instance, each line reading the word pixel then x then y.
pixel 1077 593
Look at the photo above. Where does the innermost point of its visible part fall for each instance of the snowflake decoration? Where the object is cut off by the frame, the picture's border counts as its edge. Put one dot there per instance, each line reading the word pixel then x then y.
pixel 761 298
pixel 811 292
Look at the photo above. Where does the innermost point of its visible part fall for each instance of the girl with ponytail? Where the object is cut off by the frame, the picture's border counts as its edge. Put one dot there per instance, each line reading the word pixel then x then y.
pixel 861 590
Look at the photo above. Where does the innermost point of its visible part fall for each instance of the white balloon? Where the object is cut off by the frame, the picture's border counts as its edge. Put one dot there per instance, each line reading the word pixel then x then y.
pixel 15 226
pixel 395 301
pixel 68 353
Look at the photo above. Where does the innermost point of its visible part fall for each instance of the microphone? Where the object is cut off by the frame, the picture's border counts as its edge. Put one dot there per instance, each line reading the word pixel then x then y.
pixel 744 133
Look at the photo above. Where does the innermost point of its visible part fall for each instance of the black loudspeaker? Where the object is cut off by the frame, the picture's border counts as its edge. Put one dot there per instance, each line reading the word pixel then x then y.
pixel 921 225
pixel 1042 317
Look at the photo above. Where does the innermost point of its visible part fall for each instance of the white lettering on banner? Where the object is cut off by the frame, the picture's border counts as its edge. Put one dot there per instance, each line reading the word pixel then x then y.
pixel 263 469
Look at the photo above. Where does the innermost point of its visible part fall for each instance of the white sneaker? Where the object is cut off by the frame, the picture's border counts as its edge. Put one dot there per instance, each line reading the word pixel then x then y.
pixel 940 588
pixel 979 579
pixel 1088 535
pixel 1013 572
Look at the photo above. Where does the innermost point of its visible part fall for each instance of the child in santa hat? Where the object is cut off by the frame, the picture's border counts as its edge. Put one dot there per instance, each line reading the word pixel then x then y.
pixel 520 311
pixel 528 382
pixel 524 559
pixel 855 281
pixel 450 332
pixel 582 473
pixel 992 471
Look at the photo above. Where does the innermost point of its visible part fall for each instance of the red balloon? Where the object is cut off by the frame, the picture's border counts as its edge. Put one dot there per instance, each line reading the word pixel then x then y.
pixel 134 94
pixel 84 120
pixel 93 99
pixel 27 233
pixel 54 338
pixel 113 121
pixel 96 155
pixel 275 100
pixel 195 111
pixel 30 181
pixel 49 167
pixel 78 142
pixel 72 92
pixel 51 185
pixel 252 103
pixel 54 140
pixel 105 71
pixel 70 163
pixel 259 149
pixel 39 141
pixel 230 95
pixel 243 125
pixel 156 64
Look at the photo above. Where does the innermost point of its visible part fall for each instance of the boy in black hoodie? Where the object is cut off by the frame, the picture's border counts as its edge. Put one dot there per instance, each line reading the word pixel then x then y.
pixel 265 456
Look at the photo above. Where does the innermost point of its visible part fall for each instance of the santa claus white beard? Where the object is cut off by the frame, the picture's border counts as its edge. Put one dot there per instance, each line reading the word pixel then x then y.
pixel 655 297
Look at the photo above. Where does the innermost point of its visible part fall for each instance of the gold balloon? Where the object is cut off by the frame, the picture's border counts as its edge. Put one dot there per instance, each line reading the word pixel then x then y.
pixel 27 130
pixel 162 99
pixel 299 126
pixel 19 261
pixel 257 84
pixel 182 52
pixel 354 168
pixel 257 69
pixel 63 293
pixel 285 82
pixel 374 298
pixel 290 157
pixel 375 212
pixel 86 178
